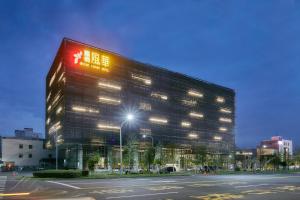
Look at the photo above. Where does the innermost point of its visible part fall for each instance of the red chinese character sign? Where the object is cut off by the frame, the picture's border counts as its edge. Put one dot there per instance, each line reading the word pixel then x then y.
pixel 92 59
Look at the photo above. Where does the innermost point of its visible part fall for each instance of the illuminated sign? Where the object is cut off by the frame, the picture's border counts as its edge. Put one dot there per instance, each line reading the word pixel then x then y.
pixel 92 59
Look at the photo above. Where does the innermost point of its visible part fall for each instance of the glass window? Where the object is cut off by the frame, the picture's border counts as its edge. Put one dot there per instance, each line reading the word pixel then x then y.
pixel 20 146
pixel 30 155
pixel 30 146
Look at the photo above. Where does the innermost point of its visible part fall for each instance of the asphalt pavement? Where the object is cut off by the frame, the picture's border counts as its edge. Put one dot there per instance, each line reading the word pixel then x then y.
pixel 210 187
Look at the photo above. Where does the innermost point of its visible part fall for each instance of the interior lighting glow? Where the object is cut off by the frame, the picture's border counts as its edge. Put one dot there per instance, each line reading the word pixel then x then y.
pixel 52 79
pixel 144 79
pixel 195 93
pixel 59 109
pixel 223 119
pixel 196 115
pixel 220 99
pixel 109 100
pixel 109 85
pixel 59 66
pixel 48 97
pixel 223 129
pixel 108 127
pixel 160 96
pixel 145 106
pixel 225 110
pixel 84 109
pixel 193 135
pixel 145 131
pixel 218 138
pixel 61 77
pixel 186 124
pixel 158 120
pixel 189 102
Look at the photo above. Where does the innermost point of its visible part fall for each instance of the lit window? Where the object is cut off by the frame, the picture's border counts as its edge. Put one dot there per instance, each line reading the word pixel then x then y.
pixel 217 138
pixel 159 96
pixel 193 135
pixel 196 115
pixel 109 100
pixel 59 66
pixel 195 93
pixel 145 131
pixel 84 109
pixel 223 129
pixel 186 124
pixel 52 79
pixel 48 121
pixel 48 97
pixel 105 61
pixel 189 102
pixel 107 126
pixel 55 127
pixel 145 106
pixel 59 109
pixel 223 119
pixel 220 99
pixel 61 77
pixel 144 79
pixel 56 99
pixel 225 110
pixel 158 120
pixel 109 85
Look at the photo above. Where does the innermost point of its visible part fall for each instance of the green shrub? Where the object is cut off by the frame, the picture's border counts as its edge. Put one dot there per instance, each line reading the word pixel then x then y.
pixel 85 173
pixel 57 174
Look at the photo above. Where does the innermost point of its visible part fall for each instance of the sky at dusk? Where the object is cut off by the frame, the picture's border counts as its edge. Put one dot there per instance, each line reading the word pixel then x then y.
pixel 251 46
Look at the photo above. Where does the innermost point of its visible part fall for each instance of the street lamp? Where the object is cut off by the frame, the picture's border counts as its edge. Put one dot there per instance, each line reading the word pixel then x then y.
pixel 144 136
pixel 57 139
pixel 129 117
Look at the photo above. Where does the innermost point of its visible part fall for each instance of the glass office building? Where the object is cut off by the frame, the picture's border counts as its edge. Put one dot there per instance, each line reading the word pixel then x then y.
pixel 89 91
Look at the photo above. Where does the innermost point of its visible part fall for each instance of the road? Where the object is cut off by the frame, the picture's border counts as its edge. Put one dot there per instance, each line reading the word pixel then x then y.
pixel 212 187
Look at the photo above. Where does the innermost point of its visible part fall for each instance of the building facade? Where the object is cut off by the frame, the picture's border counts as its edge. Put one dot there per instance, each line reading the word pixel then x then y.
pixel 276 147
pixel 23 150
pixel 89 90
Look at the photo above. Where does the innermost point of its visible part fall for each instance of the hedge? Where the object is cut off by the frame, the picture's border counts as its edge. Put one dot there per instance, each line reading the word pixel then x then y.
pixel 58 174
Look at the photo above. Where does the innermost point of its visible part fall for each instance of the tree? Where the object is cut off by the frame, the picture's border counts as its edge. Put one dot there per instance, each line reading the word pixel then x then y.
pixel 149 156
pixel 92 161
pixel 200 155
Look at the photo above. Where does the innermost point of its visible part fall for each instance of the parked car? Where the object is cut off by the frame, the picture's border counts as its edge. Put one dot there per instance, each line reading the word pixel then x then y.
pixel 167 170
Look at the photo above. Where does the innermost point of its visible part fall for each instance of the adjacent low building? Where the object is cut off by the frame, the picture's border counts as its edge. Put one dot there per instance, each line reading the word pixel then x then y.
pixel 276 146
pixel 23 150
pixel 245 159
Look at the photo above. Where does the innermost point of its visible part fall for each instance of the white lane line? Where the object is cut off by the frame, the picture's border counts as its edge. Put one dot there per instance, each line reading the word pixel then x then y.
pixel 81 198
pixel 245 186
pixel 162 181
pixel 141 195
pixel 67 185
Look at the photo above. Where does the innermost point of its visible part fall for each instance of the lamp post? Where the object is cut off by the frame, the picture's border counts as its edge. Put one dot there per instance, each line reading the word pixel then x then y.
pixel 54 129
pixel 129 117
pixel 144 136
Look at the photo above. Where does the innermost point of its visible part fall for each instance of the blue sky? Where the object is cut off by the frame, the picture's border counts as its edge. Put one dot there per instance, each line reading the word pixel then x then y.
pixel 251 46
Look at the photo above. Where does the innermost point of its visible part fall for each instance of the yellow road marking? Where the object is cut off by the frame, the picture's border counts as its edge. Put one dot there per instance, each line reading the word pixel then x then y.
pixel 14 194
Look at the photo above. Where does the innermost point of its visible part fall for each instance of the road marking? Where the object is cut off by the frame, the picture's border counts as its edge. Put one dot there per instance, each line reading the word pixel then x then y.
pixel 245 186
pixel 81 198
pixel 14 194
pixel 163 181
pixel 2 184
pixel 67 185
pixel 141 195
